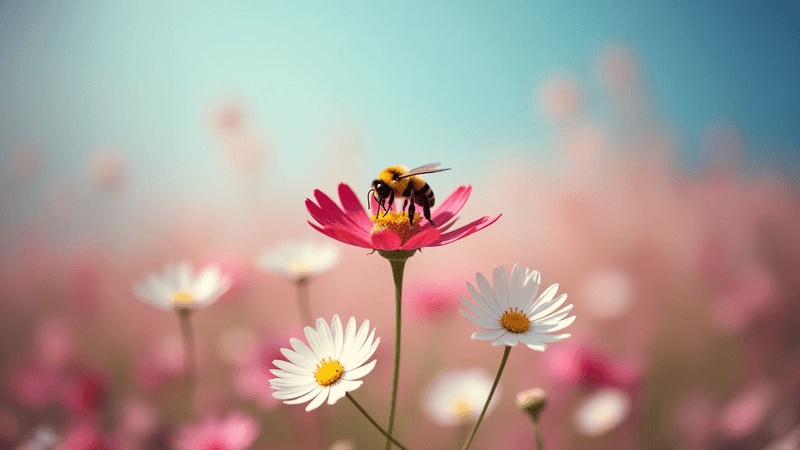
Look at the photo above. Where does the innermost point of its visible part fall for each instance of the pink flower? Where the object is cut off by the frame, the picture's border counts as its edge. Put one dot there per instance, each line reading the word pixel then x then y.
pixel 236 432
pixel 352 225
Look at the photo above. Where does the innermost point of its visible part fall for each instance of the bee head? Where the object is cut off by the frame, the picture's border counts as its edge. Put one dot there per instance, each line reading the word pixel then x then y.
pixel 381 189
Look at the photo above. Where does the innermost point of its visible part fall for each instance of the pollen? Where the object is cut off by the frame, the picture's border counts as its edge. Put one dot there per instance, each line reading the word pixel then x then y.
pixel 398 223
pixel 515 321
pixel 182 298
pixel 328 372
pixel 461 407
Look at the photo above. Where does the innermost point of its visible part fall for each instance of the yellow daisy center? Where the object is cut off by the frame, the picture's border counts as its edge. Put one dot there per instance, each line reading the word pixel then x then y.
pixel 328 372
pixel 515 321
pixel 461 407
pixel 182 298
pixel 398 223
pixel 300 267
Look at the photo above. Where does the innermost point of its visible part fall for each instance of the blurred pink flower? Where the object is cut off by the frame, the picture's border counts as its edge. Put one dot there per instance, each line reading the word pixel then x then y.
pixel 236 432
pixel 434 300
pixel 83 436
pixel 55 342
pixel 353 226
pixel 746 412
pixel 253 377
pixel 85 394
pixel 228 117
pixel 561 98
pixel 137 418
pixel 751 293
pixel 163 365
pixel 34 384
pixel 581 364
pixel 107 170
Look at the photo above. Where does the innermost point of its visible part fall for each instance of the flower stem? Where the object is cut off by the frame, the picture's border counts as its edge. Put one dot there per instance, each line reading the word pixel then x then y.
pixel 489 399
pixel 189 355
pixel 537 434
pixel 303 302
pixel 375 424
pixel 398 265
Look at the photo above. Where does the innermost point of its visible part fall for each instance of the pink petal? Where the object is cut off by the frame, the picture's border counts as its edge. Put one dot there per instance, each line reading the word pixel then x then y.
pixel 422 239
pixel 464 231
pixel 385 240
pixel 239 430
pixel 330 207
pixel 452 205
pixel 322 216
pixel 343 235
pixel 353 207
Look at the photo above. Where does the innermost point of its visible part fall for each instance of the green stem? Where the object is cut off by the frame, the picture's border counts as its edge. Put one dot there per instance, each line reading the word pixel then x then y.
pixel 374 423
pixel 189 357
pixel 398 265
pixel 303 302
pixel 537 434
pixel 491 393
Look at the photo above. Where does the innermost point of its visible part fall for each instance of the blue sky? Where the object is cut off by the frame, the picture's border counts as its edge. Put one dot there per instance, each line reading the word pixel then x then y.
pixel 416 78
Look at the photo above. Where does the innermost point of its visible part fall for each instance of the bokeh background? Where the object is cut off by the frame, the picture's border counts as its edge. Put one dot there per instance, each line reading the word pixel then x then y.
pixel 644 155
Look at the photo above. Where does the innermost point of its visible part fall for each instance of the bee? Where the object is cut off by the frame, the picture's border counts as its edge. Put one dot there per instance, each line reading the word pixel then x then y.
pixel 398 181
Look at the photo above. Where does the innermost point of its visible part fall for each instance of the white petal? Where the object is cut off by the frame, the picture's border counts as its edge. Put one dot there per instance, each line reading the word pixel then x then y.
pixel 326 337
pixel 337 392
pixel 338 336
pixel 206 282
pixel 515 286
pixel 360 371
pixel 500 278
pixel 289 367
pixel 555 317
pixel 479 321
pixel 349 335
pixel 488 294
pixel 316 391
pixel 319 399
pixel 487 335
pixel 490 308
pixel 299 391
pixel 528 294
pixel 184 275
pixel 475 309
pixel 315 342
pixel 350 385
pixel 544 300
pixel 555 327
pixel 365 354
pixel 305 356
pixel 554 305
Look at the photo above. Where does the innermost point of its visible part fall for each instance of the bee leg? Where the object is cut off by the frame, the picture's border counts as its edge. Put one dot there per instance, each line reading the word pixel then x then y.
pixel 411 210
pixel 405 205
pixel 426 207
pixel 389 205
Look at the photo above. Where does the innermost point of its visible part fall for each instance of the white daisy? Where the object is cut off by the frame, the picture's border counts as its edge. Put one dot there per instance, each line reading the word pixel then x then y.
pixel 511 313
pixel 177 288
pixel 328 369
pixel 298 259
pixel 602 411
pixel 457 396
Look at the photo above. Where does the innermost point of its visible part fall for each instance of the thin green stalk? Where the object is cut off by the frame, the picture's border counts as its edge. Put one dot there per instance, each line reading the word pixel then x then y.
pixel 537 434
pixel 489 399
pixel 189 357
pixel 304 302
pixel 374 423
pixel 398 266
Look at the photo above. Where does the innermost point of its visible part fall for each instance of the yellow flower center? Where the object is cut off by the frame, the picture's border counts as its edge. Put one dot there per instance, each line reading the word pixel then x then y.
pixel 461 407
pixel 299 267
pixel 398 223
pixel 328 372
pixel 515 321
pixel 182 298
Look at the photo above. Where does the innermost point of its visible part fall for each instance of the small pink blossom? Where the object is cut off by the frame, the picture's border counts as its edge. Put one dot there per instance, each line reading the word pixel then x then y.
pixel 746 412
pixel 352 225
pixel 580 364
pixel 236 432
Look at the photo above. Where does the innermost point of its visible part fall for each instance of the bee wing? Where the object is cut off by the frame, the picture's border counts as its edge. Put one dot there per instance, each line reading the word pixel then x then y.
pixel 427 168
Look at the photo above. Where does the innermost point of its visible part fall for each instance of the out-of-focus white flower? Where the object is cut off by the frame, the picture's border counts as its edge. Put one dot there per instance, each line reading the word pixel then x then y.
pixel 457 396
pixel 343 444
pixel 330 368
pixel 602 411
pixel 511 313
pixel 178 288
pixel 298 259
